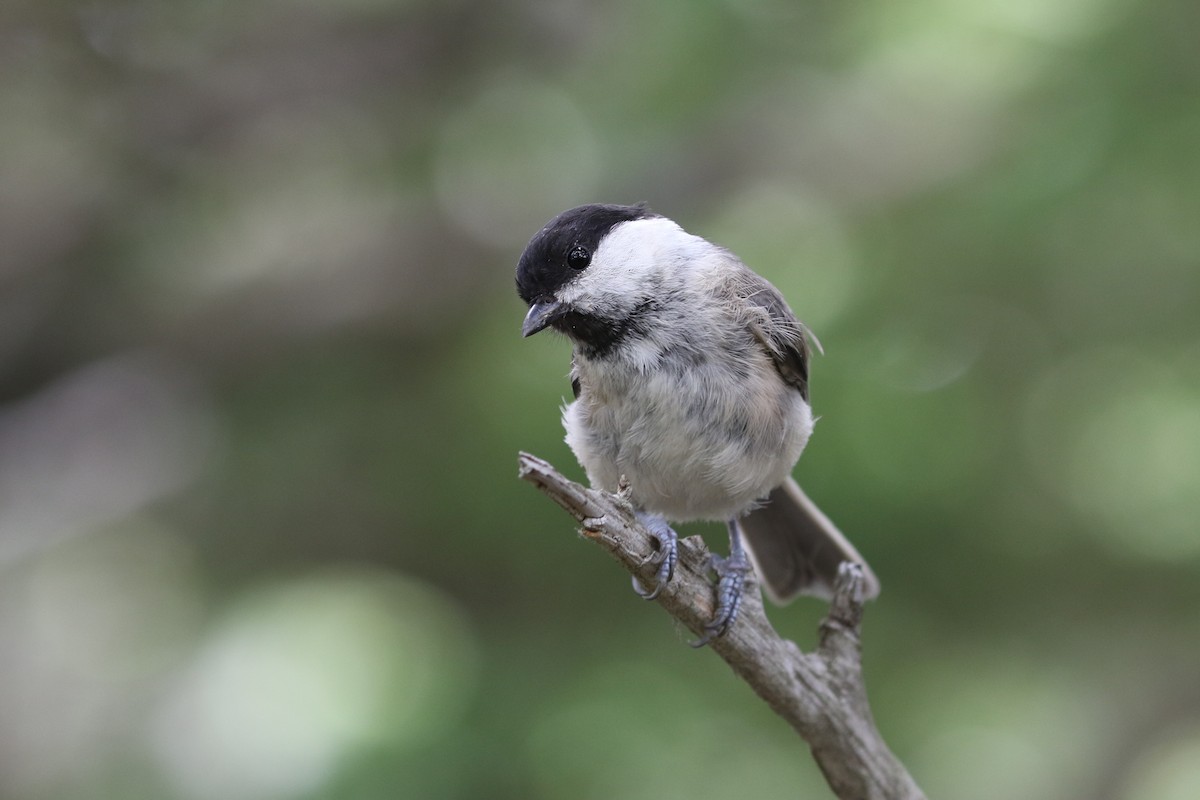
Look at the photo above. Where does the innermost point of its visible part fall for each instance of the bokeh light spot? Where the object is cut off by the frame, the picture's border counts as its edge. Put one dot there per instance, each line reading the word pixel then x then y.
pixel 306 672
pixel 1169 771
pixel 1118 437
pixel 98 444
pixel 85 629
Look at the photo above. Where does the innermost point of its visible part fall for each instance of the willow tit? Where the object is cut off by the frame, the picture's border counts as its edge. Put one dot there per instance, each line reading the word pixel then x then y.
pixel 690 376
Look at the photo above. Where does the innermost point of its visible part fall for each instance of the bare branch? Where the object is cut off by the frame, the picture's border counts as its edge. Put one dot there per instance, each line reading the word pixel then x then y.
pixel 820 694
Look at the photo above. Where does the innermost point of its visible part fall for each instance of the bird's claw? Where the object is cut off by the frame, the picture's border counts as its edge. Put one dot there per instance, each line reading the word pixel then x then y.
pixel 731 583
pixel 666 557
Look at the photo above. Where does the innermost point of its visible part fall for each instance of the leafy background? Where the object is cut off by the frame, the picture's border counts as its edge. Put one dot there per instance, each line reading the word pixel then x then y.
pixel 262 389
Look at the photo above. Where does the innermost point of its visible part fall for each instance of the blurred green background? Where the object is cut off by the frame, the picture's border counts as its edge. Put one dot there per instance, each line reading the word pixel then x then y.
pixel 262 390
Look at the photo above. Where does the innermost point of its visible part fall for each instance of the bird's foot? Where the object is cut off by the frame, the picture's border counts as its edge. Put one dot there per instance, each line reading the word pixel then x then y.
pixel 731 583
pixel 666 557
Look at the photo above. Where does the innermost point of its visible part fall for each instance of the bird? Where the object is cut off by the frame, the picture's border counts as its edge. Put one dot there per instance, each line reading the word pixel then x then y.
pixel 690 377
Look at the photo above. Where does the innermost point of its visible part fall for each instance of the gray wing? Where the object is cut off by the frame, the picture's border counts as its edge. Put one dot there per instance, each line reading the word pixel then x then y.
pixel 796 549
pixel 773 324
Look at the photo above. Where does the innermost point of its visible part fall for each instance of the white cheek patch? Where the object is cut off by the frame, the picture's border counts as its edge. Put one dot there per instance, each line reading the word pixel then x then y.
pixel 634 258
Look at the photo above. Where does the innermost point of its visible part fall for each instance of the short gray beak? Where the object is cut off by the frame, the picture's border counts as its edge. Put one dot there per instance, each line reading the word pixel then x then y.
pixel 541 315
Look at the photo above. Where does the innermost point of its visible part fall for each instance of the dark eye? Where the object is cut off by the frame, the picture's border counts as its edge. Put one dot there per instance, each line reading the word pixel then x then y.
pixel 579 257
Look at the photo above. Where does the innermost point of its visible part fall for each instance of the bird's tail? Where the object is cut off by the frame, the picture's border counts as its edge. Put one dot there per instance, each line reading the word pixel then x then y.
pixel 796 549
